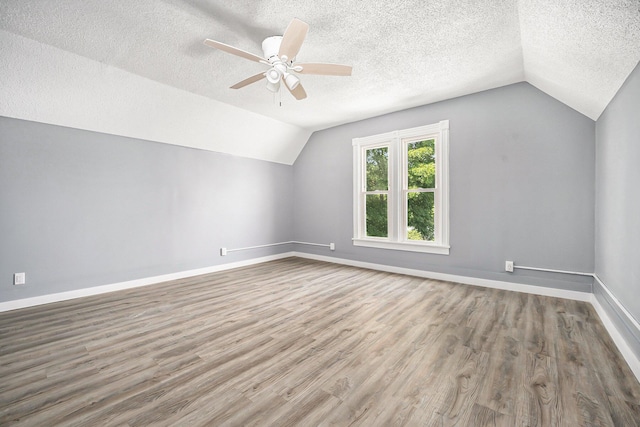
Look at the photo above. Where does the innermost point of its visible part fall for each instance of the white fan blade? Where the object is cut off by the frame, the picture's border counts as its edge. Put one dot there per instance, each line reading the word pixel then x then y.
pixel 249 80
pixel 233 50
pixel 293 38
pixel 298 92
pixel 325 69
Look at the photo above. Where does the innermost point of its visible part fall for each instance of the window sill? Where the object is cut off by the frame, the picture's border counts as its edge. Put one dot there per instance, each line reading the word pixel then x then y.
pixel 404 246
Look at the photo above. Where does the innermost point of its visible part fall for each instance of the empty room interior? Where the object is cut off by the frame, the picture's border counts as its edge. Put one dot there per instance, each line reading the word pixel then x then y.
pixel 320 213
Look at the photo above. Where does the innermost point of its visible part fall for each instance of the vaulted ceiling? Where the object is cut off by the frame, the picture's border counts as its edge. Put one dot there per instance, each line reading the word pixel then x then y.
pixel 140 69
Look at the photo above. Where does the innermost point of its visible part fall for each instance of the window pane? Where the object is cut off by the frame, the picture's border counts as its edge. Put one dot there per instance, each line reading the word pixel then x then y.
pixel 420 214
pixel 421 167
pixel 377 169
pixel 377 215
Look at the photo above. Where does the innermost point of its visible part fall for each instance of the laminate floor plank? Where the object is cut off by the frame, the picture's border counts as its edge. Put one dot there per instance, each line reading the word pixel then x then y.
pixel 300 342
pixel 501 385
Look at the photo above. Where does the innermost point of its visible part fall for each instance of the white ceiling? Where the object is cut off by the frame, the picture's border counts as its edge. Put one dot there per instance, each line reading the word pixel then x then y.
pixel 403 53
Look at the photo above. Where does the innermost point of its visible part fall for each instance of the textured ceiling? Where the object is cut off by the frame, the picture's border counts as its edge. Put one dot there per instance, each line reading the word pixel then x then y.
pixel 403 53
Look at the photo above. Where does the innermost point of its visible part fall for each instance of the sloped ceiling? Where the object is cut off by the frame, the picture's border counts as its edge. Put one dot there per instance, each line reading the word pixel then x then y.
pixel 139 68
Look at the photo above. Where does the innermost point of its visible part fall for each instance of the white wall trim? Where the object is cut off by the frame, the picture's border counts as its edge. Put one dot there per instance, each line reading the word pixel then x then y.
pixel 617 302
pixel 97 290
pixel 618 339
pixel 473 281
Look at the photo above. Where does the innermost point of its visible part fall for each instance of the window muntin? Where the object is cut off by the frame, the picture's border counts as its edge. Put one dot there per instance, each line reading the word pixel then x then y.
pixel 401 190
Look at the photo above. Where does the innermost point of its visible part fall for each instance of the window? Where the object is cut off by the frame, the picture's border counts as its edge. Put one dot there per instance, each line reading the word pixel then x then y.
pixel 401 192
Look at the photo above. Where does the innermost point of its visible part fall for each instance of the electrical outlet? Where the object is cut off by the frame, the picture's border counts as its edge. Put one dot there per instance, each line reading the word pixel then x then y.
pixel 19 279
pixel 508 266
pixel 332 246
pixel 223 251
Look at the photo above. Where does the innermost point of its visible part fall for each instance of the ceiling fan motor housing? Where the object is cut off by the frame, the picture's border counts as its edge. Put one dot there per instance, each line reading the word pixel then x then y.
pixel 271 47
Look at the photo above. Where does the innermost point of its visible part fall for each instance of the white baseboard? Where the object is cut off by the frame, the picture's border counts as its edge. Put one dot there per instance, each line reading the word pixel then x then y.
pixel 474 281
pixel 618 304
pixel 618 339
pixel 96 290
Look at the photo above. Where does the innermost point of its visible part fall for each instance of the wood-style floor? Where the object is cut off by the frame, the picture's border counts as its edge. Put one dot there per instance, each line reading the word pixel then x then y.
pixel 298 342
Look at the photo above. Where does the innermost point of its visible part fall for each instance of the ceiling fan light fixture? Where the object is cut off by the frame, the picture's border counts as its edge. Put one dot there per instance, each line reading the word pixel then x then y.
pixel 273 76
pixel 273 87
pixel 291 81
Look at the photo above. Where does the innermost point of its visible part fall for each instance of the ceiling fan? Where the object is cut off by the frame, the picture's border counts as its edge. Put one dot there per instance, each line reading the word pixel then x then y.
pixel 279 54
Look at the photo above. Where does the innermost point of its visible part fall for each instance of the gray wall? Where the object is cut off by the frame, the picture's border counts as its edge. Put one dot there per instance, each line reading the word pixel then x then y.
pixel 522 171
pixel 81 209
pixel 618 200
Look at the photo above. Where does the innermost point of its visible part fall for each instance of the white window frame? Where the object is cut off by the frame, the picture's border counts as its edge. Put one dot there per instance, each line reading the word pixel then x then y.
pixel 398 189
